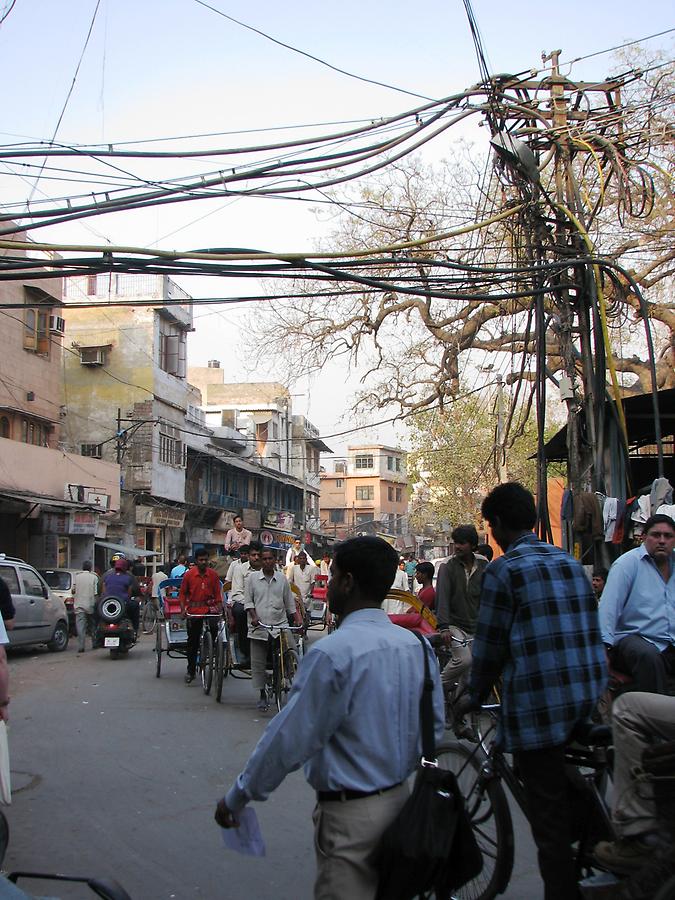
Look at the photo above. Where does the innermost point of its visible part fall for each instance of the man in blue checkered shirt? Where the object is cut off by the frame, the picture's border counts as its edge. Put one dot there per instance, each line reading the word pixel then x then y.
pixel 538 629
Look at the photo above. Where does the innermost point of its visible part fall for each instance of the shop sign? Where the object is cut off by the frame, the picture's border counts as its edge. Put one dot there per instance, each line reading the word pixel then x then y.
pixel 83 522
pixel 55 523
pixel 283 520
pixel 266 538
pixel 160 516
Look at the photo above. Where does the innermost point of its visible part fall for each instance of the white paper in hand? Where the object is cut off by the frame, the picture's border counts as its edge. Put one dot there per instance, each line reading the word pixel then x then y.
pixel 247 838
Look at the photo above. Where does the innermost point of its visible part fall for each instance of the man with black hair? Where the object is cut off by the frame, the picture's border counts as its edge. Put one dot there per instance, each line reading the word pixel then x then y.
pixel 457 599
pixel 538 630
pixel 637 610
pixel 338 722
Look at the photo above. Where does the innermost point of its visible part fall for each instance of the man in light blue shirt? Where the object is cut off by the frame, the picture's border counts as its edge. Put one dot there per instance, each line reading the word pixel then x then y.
pixel 352 720
pixel 180 568
pixel 637 609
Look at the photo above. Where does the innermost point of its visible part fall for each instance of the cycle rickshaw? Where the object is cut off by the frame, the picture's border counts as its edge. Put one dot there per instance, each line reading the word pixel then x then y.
pixel 214 659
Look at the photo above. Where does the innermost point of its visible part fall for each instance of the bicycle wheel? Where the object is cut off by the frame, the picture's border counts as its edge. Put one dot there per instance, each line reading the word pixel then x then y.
pixel 490 817
pixel 149 618
pixel 158 649
pixel 283 679
pixel 206 660
pixel 219 667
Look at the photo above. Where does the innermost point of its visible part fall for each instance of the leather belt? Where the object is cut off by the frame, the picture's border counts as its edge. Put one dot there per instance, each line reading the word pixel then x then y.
pixel 344 795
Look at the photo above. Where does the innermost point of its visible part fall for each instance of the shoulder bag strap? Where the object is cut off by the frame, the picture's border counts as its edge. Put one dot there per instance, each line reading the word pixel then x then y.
pixel 426 708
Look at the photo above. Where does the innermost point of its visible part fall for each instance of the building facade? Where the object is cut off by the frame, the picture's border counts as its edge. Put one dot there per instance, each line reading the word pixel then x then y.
pixel 54 504
pixel 366 492
pixel 128 399
pixel 278 454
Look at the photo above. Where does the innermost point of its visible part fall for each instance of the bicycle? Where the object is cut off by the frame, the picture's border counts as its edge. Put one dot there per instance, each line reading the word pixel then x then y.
pixel 481 772
pixel 148 614
pixel 222 657
pixel 285 661
pixel 205 655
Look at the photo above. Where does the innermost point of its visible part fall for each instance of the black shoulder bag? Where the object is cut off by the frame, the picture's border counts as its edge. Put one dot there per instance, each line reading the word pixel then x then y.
pixel 430 845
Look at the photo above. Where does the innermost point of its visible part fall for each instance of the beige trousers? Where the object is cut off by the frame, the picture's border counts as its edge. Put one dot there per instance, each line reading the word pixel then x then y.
pixel 638 720
pixel 458 669
pixel 345 834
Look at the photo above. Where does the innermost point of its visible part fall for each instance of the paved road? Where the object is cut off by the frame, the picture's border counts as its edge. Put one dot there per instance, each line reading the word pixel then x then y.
pixel 117 773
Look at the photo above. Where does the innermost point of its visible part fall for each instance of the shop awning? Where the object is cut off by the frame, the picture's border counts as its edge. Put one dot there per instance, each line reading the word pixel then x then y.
pixel 132 552
pixel 52 502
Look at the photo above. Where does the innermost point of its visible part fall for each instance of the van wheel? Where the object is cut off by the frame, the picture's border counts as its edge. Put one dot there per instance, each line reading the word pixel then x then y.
pixel 59 640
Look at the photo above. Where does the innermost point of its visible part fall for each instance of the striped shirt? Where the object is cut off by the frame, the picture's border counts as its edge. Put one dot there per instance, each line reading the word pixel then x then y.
pixel 538 628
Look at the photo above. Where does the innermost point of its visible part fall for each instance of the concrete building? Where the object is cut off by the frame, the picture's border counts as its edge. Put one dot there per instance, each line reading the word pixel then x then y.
pixel 126 383
pixel 53 503
pixel 366 492
pixel 279 493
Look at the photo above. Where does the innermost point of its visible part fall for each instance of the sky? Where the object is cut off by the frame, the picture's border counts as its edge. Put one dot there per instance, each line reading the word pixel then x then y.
pixel 159 68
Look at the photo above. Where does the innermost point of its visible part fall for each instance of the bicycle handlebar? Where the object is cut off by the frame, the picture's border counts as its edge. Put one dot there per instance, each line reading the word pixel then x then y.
pixel 287 627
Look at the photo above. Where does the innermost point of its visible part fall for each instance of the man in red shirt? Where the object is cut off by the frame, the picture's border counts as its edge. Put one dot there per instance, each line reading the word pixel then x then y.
pixel 200 589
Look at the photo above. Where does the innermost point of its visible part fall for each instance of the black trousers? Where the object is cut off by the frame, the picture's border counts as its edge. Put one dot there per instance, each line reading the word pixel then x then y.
pixel 194 633
pixel 548 798
pixel 134 612
pixel 649 667
pixel 241 629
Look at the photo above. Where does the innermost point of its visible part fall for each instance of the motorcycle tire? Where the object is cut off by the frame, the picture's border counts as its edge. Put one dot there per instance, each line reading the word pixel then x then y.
pixel 111 609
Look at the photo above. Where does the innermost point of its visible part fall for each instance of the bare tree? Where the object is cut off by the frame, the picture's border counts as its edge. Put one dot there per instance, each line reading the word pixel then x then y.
pixel 417 318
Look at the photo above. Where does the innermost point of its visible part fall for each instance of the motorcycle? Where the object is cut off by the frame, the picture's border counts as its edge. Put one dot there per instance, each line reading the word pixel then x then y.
pixel 114 629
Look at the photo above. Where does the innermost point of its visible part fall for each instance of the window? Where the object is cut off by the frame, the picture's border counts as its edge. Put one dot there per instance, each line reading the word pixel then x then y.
pixel 172 451
pixel 93 450
pixel 31 584
pixel 36 331
pixel 172 348
pixel 34 433
pixel 365 492
pixel 336 516
pixel 390 493
pixel 275 431
pixel 339 482
pixel 390 463
pixel 91 285
pixel 399 494
pixel 398 464
pixel 4 427
pixel 8 575
pixel 364 462
pixel 340 468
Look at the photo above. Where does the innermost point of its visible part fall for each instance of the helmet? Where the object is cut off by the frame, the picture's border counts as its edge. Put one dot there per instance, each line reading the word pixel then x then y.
pixel 116 556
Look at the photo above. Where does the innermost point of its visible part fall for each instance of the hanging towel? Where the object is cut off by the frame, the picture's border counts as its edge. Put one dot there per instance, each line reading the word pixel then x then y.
pixel 619 529
pixel 661 492
pixel 609 516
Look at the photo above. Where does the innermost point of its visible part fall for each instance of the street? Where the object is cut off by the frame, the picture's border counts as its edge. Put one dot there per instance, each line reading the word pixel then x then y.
pixel 116 773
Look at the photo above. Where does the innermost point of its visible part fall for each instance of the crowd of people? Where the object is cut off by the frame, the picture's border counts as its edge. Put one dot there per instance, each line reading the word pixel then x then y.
pixel 532 621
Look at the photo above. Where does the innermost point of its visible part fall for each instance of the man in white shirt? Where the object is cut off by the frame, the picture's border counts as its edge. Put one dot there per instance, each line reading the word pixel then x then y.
pixel 268 599
pixel 237 537
pixel 159 576
pixel 303 575
pixel 85 591
pixel 237 574
pixel 293 551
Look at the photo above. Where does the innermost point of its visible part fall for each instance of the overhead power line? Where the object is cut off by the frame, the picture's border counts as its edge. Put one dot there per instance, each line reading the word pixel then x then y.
pixel 304 53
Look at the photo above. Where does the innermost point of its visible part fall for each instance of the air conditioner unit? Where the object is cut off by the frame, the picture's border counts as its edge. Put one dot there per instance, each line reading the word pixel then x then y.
pixel 92 356
pixel 57 325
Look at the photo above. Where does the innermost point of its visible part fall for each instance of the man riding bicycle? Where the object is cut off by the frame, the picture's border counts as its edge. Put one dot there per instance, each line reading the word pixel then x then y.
pixel 200 589
pixel 268 599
